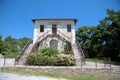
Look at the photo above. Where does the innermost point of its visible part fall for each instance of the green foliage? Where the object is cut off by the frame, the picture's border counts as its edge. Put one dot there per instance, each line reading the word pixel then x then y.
pixel 1 44
pixel 9 46
pixel 64 60
pixel 67 48
pixel 22 41
pixel 50 57
pixel 48 52
pixel 102 40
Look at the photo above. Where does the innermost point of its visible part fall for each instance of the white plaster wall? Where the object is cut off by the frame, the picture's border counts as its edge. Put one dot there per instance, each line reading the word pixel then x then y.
pixel 61 25
pixel 73 38
pixel 36 31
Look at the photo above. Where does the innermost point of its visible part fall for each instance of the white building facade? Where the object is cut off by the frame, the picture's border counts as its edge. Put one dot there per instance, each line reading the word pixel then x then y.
pixel 54 33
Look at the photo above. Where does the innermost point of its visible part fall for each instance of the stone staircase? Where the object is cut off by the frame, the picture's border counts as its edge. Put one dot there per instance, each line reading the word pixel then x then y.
pixel 40 38
pixel 44 35
pixel 77 54
pixel 116 72
pixel 63 36
pixel 25 53
pixel 76 48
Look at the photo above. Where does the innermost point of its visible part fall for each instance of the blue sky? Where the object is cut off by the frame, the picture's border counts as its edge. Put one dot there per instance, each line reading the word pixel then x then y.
pixel 16 15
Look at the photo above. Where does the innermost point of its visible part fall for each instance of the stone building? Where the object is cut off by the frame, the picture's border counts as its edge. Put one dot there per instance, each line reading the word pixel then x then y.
pixel 56 33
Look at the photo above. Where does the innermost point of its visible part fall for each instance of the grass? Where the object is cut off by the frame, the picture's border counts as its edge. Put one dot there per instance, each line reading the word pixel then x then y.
pixel 48 74
pixel 101 61
pixel 93 60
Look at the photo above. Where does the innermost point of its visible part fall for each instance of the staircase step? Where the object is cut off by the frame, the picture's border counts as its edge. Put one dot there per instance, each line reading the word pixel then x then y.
pixel 22 60
pixel 77 53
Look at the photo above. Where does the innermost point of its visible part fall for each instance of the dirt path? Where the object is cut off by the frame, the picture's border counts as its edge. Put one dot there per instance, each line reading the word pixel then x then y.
pixel 11 76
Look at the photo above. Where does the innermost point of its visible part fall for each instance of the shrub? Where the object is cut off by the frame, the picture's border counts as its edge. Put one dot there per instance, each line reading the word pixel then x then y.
pixel 32 60
pixel 10 54
pixel 65 60
pixel 50 57
pixel 48 52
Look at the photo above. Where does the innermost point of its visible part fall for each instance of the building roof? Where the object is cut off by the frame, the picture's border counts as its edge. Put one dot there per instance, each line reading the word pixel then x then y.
pixel 75 20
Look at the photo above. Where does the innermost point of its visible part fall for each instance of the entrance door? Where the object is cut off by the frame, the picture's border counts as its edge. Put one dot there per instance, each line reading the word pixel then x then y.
pixel 54 29
pixel 54 44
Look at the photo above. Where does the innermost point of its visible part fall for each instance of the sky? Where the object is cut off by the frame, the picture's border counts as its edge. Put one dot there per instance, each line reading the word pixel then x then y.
pixel 16 15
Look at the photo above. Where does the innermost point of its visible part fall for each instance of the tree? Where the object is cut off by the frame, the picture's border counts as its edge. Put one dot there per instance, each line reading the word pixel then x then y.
pixel 84 35
pixel 22 41
pixel 12 47
pixel 1 45
pixel 111 27
pixel 102 40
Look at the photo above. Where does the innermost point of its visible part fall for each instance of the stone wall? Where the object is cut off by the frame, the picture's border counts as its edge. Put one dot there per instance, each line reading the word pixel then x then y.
pixel 104 74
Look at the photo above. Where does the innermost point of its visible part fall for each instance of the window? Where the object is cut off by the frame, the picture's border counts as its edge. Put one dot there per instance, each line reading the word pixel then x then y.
pixel 54 29
pixel 41 28
pixel 68 28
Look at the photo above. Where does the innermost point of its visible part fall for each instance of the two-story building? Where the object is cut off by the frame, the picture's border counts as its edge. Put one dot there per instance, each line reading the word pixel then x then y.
pixel 55 33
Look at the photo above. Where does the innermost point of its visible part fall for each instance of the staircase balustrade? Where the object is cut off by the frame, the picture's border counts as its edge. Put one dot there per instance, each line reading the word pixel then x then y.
pixel 80 49
pixel 39 39
pixel 49 32
pixel 23 50
pixel 63 35
pixel 44 35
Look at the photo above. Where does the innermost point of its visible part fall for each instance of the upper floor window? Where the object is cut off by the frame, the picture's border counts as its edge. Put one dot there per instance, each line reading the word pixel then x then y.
pixel 68 28
pixel 41 28
pixel 54 29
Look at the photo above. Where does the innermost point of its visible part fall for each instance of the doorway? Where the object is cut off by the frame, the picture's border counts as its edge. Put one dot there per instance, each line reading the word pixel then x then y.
pixel 54 29
pixel 54 44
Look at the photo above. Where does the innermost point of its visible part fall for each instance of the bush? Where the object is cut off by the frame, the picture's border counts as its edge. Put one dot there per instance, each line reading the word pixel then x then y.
pixel 65 60
pixel 31 60
pixel 48 52
pixel 50 57
pixel 10 54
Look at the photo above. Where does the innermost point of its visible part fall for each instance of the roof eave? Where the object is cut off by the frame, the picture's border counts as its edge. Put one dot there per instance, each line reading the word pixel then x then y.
pixel 75 20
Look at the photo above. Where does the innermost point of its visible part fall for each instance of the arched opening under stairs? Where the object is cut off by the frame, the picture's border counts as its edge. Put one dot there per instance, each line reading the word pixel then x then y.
pixel 54 44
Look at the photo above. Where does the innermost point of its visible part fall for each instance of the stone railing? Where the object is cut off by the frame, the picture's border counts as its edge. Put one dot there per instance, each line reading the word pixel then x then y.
pixel 45 34
pixel 63 35
pixel 39 39
pixel 81 51
pixel 23 50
